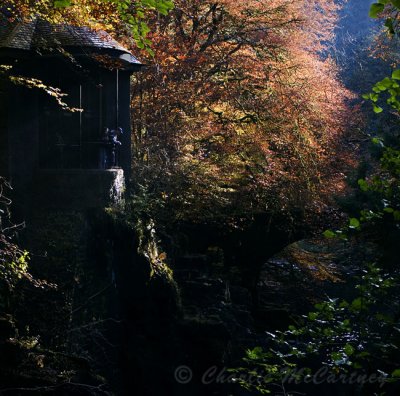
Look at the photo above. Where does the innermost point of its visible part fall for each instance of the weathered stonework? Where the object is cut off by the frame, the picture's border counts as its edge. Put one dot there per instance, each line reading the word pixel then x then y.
pixel 79 189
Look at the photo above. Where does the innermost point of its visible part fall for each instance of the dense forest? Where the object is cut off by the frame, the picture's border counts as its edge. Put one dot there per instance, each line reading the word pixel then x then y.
pixel 199 197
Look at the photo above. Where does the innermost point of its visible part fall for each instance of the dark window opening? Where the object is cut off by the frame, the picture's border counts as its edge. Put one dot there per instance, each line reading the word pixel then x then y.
pixel 73 140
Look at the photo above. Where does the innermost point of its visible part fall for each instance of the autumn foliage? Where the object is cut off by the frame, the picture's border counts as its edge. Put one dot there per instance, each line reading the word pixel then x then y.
pixel 124 19
pixel 240 111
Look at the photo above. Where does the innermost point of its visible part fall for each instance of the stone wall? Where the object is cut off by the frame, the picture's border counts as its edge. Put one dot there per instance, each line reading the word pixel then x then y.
pixel 70 239
pixel 78 189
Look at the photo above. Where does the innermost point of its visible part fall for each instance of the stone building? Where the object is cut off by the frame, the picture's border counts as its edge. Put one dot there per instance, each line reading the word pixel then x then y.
pixel 65 153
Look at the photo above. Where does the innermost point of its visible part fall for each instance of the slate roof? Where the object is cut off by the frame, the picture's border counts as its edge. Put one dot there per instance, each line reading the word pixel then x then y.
pixel 39 35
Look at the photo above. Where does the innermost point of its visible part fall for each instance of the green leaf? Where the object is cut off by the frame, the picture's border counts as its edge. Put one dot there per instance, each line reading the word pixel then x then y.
pixel 348 350
pixel 62 3
pixel 329 234
pixel 385 84
pixel 346 323
pixel 396 74
pixel 396 373
pixel 363 185
pixel 357 304
pixel 312 315
pixel 375 9
pixel 377 109
pixel 354 223
pixel 377 141
pixel 255 353
pixel 396 215
pixel 336 357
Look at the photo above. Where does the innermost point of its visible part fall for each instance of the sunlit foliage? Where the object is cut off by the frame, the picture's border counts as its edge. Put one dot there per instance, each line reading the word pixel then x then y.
pixel 240 111
pixel 123 18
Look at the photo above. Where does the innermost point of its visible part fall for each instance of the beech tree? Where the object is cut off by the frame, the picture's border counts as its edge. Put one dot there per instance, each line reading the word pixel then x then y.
pixel 240 110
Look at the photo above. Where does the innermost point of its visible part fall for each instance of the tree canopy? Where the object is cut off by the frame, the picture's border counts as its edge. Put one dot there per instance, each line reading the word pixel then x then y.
pixel 241 108
pixel 126 19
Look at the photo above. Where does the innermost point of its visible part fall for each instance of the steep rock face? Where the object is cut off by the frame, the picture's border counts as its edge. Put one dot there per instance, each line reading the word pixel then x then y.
pixel 67 327
pixel 99 323
pixel 77 189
